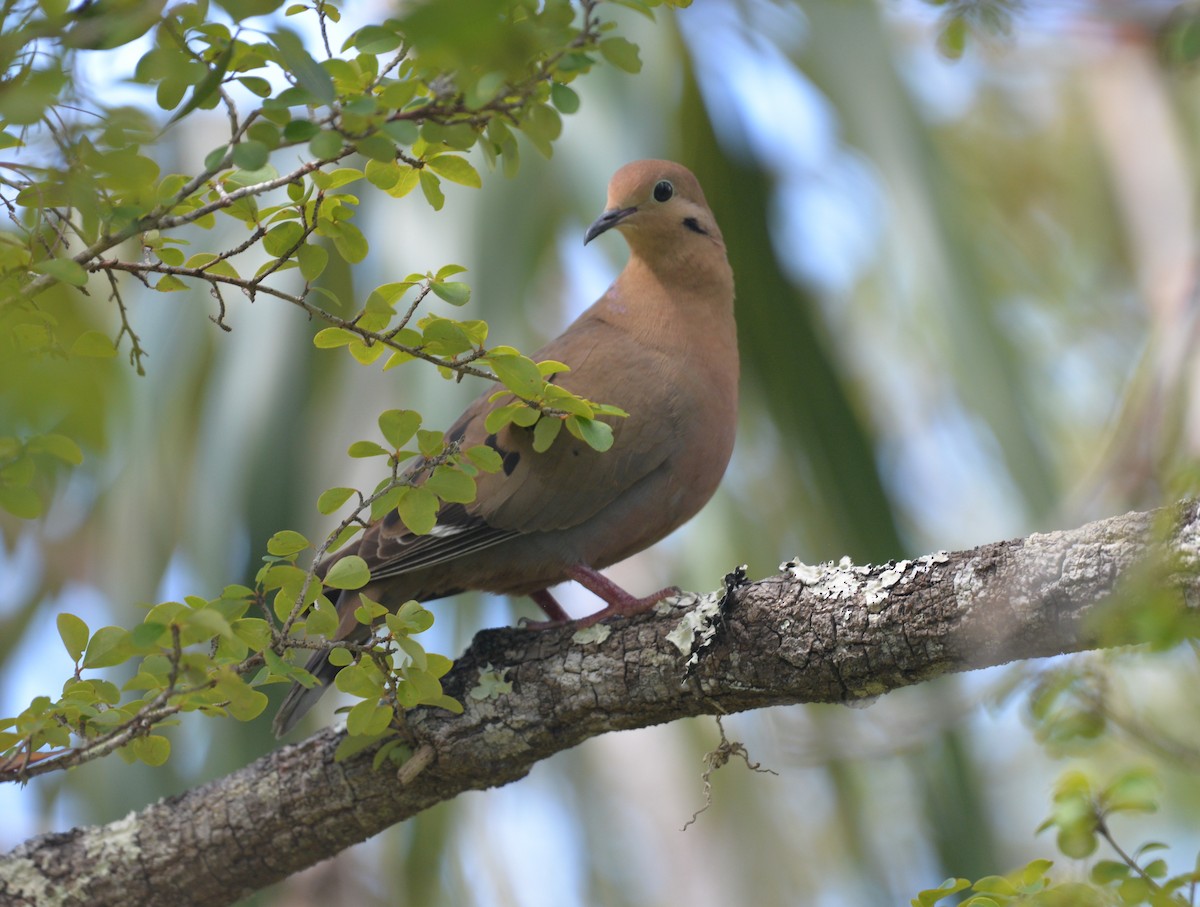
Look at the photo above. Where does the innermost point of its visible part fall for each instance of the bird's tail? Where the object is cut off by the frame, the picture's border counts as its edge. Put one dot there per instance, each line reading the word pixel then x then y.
pixel 301 698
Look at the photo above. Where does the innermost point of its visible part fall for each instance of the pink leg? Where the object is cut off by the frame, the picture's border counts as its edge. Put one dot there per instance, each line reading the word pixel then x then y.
pixel 618 600
pixel 544 600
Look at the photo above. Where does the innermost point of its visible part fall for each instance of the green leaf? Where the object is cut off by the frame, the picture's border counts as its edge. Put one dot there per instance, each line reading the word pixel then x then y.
pixel 931 896
pixel 406 182
pixel 412 617
pixel 376 148
pixel 340 657
pixel 153 750
pixel 21 501
pixel 432 187
pixel 1105 872
pixel 484 457
pixel 375 39
pixel 622 54
pixel 58 446
pixel 243 703
pixel 254 631
pixel 286 543
pixel 347 239
pixel 282 238
pixel 362 449
pixel 368 611
pixel 452 485
pixel 369 719
pixel 383 175
pixel 545 432
pixel 430 443
pixel 326 145
pixel 500 417
pixel 953 39
pixel 452 291
pixel 331 338
pixel 564 98
pixel 413 649
pixel 300 131
pixel 350 572
pixel 93 345
pixel 107 647
pixel 65 270
pixel 169 283
pixel 208 622
pixel 313 259
pixel 74 634
pixel 357 680
pixel 321 621
pixel 333 498
pixel 308 72
pixel 1077 842
pixel 256 85
pixel 449 703
pixel 518 373
pixel 399 425
pixel 251 155
pixel 418 509
pixel 542 125
pixel 995 885
pixel 456 169
pixel 596 434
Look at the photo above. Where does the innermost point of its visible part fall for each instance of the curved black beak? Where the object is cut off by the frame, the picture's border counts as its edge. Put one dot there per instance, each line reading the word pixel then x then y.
pixel 606 221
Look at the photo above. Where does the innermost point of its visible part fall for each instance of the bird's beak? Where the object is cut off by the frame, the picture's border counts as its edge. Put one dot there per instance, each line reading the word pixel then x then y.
pixel 606 221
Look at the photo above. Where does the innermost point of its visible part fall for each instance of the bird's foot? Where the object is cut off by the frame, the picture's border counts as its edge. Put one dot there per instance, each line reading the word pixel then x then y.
pixel 618 601
pixel 554 611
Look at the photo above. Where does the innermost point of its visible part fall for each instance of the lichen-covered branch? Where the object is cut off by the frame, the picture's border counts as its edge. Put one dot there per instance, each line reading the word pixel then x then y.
pixel 824 634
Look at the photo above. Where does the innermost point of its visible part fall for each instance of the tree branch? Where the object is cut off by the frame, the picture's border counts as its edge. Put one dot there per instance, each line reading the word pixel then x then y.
pixel 824 634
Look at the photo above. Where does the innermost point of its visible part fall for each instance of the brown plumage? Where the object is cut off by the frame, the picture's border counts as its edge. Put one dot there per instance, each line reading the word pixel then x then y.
pixel 661 344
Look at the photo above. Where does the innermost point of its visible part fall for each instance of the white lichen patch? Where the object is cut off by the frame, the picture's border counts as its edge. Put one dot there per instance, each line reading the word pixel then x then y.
pixel 697 627
pixel 845 580
pixel 596 633
pixel 492 683
pixel 22 877
pixel 119 841
pixel 665 606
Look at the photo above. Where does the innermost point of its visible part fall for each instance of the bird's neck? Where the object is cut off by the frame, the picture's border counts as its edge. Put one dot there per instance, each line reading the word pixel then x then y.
pixel 678 305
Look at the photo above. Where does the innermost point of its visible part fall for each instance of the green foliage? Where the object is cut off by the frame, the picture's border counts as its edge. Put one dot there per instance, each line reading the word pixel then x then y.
pixel 1080 814
pixel 390 106
pixel 963 19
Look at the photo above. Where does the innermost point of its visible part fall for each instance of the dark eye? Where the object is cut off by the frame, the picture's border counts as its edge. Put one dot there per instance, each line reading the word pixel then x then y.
pixel 663 190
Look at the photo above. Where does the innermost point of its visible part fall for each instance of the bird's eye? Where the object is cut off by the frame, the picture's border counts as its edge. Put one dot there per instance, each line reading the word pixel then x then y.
pixel 663 190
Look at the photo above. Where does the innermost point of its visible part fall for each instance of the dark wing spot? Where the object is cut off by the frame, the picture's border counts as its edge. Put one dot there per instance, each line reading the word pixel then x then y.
pixel 456 434
pixel 694 225
pixel 491 442
pixel 391 518
pixel 510 462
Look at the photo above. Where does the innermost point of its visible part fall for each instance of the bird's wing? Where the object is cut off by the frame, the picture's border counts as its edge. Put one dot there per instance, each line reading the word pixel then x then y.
pixel 570 483
pixel 554 490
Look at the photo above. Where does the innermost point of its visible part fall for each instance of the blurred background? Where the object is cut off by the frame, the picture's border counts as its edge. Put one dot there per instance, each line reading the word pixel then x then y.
pixel 966 307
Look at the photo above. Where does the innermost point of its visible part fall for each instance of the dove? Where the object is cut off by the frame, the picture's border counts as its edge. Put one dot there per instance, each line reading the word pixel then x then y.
pixel 661 344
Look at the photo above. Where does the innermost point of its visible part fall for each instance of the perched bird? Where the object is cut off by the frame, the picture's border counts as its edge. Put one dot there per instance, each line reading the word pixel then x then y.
pixel 661 344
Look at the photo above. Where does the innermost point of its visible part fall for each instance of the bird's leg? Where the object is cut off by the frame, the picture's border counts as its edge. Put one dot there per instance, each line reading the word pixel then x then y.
pixel 619 601
pixel 547 602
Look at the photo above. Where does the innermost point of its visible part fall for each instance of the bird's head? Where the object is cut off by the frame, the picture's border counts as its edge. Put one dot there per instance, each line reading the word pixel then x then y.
pixel 656 205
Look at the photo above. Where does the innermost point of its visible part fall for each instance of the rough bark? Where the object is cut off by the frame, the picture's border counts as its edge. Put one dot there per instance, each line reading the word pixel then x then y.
pixel 811 634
